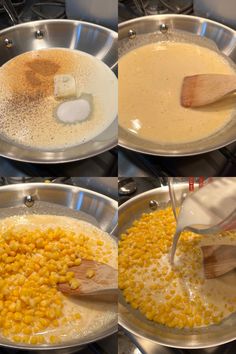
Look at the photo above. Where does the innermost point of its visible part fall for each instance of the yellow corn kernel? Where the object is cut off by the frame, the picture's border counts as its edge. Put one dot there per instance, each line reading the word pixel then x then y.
pixel 55 323
pixel 7 323
pixel 40 339
pixel 2 283
pixel 77 316
pixel 33 340
pixel 100 243
pixel 45 303
pixel 54 339
pixel 28 319
pixel 167 296
pixel 90 273
pixel 51 314
pixel 70 275
pixel 74 284
pixel 16 339
pixel 44 322
pixel 12 307
pixel 62 279
pixel 27 330
pixel 17 316
pixel 58 301
pixel 17 328
pixel 6 332
pixel 77 261
pixel 65 320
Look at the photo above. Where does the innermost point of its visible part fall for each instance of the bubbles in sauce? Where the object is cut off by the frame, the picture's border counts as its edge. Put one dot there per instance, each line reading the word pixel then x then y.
pixel 179 296
pixel 95 317
pixel 150 79
pixel 27 102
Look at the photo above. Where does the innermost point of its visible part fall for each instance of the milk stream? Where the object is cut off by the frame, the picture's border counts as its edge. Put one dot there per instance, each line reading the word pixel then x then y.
pixel 206 208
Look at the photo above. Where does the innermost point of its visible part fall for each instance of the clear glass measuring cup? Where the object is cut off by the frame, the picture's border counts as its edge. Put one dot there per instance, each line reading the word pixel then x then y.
pixel 194 183
pixel 207 216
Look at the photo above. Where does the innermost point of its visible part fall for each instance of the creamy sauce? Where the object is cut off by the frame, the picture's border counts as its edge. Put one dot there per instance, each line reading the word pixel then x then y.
pixel 206 207
pixel 176 296
pixel 95 316
pixel 28 106
pixel 150 80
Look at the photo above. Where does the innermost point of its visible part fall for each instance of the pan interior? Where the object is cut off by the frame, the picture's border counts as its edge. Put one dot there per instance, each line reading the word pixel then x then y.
pixel 133 321
pixel 46 209
pixel 138 143
pixel 29 109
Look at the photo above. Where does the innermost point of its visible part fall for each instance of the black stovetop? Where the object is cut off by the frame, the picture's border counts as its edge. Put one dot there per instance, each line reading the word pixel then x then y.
pixel 108 345
pixel 32 10
pixel 100 166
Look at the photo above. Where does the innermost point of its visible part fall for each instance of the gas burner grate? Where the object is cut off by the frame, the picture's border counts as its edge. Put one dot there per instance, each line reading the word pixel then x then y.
pixel 16 180
pixel 41 9
pixel 16 3
pixel 153 7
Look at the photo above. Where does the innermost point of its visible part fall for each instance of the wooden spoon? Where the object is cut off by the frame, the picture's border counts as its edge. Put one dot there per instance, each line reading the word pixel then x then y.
pixel 201 90
pixel 218 260
pixel 101 286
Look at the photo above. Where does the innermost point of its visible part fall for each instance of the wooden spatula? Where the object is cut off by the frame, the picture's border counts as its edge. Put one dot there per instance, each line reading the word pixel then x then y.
pixel 201 90
pixel 96 280
pixel 218 260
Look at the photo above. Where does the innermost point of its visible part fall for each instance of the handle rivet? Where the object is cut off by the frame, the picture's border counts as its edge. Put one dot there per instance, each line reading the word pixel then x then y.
pixel 132 34
pixel 39 34
pixel 153 204
pixel 164 28
pixel 8 42
pixel 29 201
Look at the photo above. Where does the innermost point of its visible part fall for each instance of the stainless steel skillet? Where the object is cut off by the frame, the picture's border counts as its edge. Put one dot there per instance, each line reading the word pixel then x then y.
pixel 96 40
pixel 158 27
pixel 21 199
pixel 135 324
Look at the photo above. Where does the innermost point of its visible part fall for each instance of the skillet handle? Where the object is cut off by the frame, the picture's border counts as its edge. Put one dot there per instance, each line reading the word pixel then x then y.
pixel 7 4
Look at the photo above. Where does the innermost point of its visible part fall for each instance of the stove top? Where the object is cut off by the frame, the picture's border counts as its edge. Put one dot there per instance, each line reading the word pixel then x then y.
pixel 108 345
pixel 101 165
pixel 32 10
pixel 219 163
pixel 134 8
pixel 138 346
